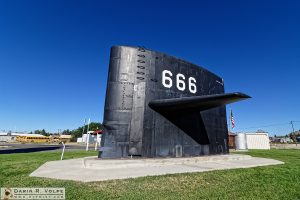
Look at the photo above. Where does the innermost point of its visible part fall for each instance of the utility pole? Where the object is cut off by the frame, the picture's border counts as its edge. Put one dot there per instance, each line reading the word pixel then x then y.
pixel 294 132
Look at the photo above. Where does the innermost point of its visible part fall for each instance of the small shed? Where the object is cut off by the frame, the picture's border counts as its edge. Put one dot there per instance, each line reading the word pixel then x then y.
pixel 258 141
pixel 231 140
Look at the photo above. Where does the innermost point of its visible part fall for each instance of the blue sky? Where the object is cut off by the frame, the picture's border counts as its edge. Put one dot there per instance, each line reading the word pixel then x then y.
pixel 54 55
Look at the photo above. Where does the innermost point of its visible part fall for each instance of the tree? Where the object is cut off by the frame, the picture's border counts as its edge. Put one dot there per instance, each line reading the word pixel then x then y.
pixel 66 132
pixel 76 133
pixel 41 132
pixel 93 127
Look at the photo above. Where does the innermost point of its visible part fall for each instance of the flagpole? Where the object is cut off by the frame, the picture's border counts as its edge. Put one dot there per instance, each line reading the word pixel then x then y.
pixel 88 136
pixel 83 129
pixel 229 120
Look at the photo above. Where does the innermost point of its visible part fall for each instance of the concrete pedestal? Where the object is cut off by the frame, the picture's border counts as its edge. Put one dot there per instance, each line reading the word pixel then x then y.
pixel 95 169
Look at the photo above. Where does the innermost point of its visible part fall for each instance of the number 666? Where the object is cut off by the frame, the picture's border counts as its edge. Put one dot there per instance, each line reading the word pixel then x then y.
pixel 180 81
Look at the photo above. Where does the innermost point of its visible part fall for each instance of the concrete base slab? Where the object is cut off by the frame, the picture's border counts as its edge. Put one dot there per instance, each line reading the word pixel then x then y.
pixel 94 169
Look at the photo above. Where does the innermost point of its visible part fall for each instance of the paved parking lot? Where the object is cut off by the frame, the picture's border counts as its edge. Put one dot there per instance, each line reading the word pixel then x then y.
pixel 6 148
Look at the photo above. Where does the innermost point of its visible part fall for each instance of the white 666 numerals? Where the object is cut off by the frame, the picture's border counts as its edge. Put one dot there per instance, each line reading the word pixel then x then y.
pixel 180 81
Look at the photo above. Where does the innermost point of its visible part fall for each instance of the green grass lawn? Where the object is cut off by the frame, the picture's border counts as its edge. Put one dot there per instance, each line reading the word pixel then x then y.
pixel 271 182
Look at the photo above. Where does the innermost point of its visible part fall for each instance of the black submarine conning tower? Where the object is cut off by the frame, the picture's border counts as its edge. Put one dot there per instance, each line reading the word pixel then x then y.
pixel 157 105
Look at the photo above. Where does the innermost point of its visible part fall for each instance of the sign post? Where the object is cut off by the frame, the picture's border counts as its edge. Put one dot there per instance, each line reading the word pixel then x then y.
pixel 63 151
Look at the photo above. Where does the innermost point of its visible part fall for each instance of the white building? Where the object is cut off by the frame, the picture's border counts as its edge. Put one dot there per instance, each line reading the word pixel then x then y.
pixel 91 136
pixel 252 141
pixel 258 141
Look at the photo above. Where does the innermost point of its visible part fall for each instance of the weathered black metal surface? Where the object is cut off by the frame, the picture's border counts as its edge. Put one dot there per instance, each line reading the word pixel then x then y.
pixel 200 103
pixel 161 106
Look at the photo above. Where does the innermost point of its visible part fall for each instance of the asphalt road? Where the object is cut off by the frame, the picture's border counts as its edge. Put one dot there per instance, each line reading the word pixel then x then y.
pixel 7 148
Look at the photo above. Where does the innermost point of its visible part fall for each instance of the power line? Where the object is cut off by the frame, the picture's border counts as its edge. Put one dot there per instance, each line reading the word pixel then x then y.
pixel 270 125
pixel 273 125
